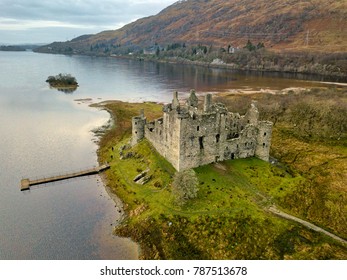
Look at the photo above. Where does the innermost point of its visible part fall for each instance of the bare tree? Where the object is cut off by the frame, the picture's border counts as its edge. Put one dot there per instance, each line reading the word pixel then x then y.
pixel 185 186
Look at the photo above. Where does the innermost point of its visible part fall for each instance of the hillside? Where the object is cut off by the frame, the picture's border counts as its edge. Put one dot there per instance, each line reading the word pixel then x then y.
pixel 290 25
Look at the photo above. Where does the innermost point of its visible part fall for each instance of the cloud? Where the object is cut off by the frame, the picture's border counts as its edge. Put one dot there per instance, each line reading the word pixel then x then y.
pixel 95 16
pixel 12 24
pixel 102 12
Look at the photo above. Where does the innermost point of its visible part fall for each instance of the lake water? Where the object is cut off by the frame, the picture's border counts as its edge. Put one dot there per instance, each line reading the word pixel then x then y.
pixel 46 132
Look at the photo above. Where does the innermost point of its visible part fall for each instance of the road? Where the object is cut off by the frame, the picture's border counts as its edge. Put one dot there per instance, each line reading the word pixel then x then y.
pixel 277 212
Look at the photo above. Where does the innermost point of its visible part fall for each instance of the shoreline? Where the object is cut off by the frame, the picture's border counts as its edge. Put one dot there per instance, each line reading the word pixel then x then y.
pixel 229 66
pixel 118 203
pixel 232 67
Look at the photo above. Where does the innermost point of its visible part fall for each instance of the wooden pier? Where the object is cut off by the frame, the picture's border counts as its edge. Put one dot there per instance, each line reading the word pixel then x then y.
pixel 26 183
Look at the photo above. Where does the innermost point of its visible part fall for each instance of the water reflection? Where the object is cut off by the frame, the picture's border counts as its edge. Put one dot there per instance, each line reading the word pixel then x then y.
pixel 66 90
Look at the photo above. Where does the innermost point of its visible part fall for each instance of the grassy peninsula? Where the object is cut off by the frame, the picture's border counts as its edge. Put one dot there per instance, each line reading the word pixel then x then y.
pixel 229 219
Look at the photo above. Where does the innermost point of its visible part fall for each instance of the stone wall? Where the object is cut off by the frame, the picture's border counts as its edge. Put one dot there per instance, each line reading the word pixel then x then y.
pixel 164 135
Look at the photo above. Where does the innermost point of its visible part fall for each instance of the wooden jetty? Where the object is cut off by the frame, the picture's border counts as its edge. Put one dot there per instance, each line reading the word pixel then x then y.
pixel 26 183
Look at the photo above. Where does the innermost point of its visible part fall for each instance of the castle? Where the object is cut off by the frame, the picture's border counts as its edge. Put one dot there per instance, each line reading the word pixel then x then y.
pixel 189 136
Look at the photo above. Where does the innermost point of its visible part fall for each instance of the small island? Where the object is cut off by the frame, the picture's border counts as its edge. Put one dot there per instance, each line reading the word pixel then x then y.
pixel 63 82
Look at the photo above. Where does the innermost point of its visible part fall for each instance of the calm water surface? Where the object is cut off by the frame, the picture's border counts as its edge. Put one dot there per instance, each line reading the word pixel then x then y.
pixel 45 132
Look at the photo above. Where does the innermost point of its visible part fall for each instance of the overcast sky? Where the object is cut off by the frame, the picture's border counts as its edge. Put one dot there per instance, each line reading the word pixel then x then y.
pixel 46 21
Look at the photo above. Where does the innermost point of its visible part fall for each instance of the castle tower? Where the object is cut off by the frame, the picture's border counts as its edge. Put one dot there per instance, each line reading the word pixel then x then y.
pixel 262 149
pixel 207 102
pixel 138 128
pixel 175 101
pixel 252 115
pixel 192 100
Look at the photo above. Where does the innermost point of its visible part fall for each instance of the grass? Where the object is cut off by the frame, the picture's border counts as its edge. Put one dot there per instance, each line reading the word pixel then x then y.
pixel 321 198
pixel 228 219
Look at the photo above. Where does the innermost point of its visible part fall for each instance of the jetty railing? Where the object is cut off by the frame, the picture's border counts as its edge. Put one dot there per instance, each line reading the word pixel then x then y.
pixel 27 183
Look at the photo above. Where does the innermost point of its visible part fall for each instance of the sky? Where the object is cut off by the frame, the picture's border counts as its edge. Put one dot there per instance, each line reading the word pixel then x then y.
pixel 46 21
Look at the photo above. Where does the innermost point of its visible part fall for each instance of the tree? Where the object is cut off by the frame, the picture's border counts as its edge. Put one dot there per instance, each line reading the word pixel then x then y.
pixel 62 80
pixel 185 186
pixel 249 46
pixel 260 46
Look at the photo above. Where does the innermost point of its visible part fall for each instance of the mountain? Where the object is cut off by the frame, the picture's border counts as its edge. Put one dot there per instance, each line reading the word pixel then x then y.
pixel 294 25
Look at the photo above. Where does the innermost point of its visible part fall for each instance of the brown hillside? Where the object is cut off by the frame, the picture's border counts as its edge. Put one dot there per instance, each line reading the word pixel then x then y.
pixel 298 25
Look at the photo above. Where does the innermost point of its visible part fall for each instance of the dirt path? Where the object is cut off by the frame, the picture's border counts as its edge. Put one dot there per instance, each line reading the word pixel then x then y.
pixel 275 211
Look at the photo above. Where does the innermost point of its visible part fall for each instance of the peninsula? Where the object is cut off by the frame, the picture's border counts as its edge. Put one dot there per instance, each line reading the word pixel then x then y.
pixel 12 49
pixel 232 216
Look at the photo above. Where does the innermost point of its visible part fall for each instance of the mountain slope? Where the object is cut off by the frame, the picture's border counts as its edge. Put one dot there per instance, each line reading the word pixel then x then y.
pixel 300 25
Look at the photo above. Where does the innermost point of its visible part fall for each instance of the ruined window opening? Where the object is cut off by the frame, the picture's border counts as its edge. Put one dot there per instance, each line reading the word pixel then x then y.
pixel 151 129
pixel 198 128
pixel 248 121
pixel 237 146
pixel 232 136
pixel 135 123
pixel 201 143
pixel 232 156
pixel 245 144
pixel 264 133
pixel 263 145
pixel 135 132
pixel 217 138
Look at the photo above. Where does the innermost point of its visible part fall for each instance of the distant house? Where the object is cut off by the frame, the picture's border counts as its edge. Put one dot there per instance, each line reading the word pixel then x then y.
pixel 232 49
pixel 150 50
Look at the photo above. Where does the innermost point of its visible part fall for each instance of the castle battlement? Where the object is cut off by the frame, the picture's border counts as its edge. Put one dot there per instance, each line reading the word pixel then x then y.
pixel 190 134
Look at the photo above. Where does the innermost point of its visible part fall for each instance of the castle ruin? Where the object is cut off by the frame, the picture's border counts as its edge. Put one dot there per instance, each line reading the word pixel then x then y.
pixel 189 136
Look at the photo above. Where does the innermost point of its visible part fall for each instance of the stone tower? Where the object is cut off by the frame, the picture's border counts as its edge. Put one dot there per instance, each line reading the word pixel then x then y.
pixel 252 115
pixel 138 128
pixel 175 101
pixel 262 149
pixel 192 100
pixel 207 103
